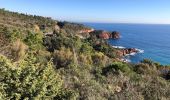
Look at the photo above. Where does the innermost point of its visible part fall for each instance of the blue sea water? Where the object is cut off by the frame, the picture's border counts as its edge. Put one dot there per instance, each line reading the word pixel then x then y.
pixel 154 39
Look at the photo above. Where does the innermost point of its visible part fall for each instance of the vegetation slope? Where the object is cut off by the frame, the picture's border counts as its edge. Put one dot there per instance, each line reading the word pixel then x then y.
pixel 44 59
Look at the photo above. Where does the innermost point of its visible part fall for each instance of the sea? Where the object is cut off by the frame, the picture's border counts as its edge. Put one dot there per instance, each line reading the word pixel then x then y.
pixel 152 40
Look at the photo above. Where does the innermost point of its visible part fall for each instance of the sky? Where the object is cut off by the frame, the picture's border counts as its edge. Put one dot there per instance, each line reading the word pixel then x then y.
pixel 102 11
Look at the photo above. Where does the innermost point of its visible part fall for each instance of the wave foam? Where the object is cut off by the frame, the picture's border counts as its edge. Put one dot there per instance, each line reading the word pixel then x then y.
pixel 125 60
pixel 140 50
pixel 134 53
pixel 119 47
pixel 131 54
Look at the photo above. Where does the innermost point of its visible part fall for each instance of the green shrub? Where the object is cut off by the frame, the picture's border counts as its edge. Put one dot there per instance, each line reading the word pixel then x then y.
pixel 55 42
pixel 85 59
pixel 15 35
pixel 86 48
pixel 147 61
pixel 145 68
pixel 34 40
pixel 62 57
pixel 117 66
pixel 28 80
pixel 99 59
pixel 106 49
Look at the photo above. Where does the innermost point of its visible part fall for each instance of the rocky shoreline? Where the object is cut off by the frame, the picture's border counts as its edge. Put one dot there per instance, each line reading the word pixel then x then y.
pixel 122 51
pixel 127 51
pixel 102 34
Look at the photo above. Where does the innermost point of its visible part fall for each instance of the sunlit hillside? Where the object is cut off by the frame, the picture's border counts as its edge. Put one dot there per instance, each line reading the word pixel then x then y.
pixel 45 59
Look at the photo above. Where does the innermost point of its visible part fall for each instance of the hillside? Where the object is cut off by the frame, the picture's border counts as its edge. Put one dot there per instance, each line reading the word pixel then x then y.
pixel 45 59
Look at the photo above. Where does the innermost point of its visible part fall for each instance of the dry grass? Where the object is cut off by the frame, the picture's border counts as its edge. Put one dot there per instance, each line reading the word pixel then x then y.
pixel 18 49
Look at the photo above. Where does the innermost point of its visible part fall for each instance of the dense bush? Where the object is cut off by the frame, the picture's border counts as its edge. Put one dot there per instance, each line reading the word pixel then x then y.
pixel 106 49
pixel 117 66
pixel 72 26
pixel 34 40
pixel 62 57
pixel 28 80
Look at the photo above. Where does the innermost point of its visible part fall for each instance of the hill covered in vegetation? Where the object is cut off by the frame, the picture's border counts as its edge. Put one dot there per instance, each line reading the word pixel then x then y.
pixel 45 59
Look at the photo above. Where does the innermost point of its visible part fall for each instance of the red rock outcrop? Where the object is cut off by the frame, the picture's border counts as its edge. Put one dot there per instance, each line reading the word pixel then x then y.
pixel 126 51
pixel 115 35
pixel 106 35
pixel 101 34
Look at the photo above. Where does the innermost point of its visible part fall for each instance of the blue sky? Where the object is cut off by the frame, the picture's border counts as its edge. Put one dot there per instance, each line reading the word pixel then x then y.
pixel 109 11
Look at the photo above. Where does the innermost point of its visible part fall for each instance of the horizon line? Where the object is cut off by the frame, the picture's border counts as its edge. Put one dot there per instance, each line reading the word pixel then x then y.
pixel 104 22
pixel 116 22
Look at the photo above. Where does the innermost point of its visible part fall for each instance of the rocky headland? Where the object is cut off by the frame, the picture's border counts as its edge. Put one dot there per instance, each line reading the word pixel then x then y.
pixel 102 34
pixel 105 34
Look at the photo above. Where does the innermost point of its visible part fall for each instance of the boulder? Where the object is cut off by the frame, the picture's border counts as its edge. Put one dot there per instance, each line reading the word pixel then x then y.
pixel 126 51
pixel 129 51
pixel 115 35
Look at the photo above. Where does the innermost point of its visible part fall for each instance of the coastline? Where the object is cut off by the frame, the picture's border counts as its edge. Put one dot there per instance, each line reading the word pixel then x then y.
pixel 153 39
pixel 122 52
pixel 124 57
